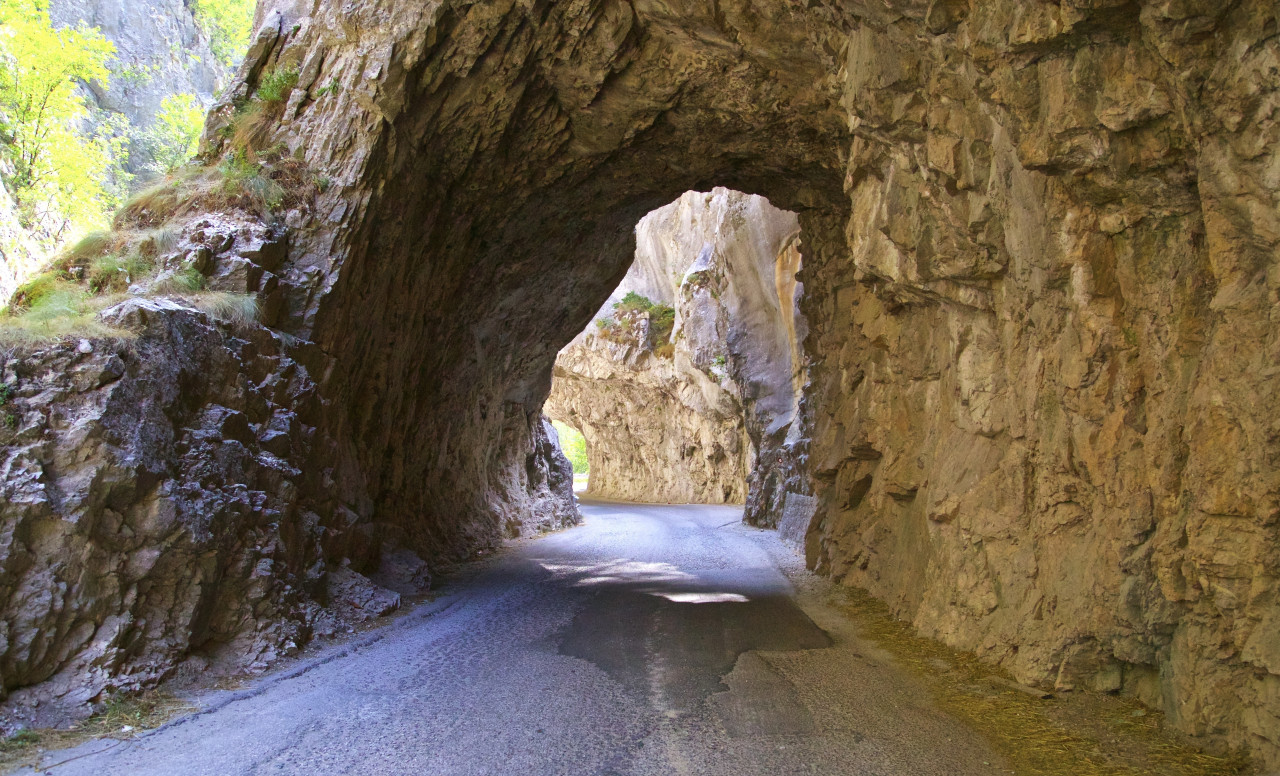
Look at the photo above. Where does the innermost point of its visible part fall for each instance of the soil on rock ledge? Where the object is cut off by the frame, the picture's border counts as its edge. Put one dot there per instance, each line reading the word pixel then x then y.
pixel 1040 262
pixel 676 412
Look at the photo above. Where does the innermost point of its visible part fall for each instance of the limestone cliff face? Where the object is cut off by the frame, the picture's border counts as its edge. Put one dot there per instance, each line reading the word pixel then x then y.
pixel 160 52
pixel 1040 272
pixel 683 424
pixel 171 503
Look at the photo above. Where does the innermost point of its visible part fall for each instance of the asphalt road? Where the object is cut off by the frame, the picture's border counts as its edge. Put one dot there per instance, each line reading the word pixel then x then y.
pixel 651 640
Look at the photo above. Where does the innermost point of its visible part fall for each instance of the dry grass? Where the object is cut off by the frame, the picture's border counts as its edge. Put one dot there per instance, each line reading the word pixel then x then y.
pixel 120 718
pixel 236 309
pixel 258 183
pixel 63 301
pixel 69 313
pixel 1038 736
pixel 61 311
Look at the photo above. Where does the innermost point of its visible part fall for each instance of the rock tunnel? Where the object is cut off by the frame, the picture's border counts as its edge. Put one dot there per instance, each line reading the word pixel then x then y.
pixel 1040 269
pixel 517 183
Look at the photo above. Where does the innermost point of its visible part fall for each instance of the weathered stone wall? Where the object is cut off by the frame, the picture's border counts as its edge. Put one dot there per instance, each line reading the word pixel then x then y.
pixel 169 502
pixel 152 504
pixel 1045 426
pixel 1040 263
pixel 684 426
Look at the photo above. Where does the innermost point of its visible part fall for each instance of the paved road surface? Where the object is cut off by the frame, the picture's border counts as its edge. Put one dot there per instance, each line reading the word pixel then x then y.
pixel 652 640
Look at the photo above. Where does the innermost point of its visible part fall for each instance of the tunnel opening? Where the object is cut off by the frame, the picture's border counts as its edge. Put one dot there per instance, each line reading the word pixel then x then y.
pixel 689 376
pixel 573 444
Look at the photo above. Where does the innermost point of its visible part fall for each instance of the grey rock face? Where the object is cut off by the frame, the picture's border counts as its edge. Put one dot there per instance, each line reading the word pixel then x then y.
pixel 685 426
pixel 1040 244
pixel 160 51
pixel 146 520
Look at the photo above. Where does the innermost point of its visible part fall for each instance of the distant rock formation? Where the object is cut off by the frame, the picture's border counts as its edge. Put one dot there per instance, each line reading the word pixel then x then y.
pixel 160 51
pixel 681 416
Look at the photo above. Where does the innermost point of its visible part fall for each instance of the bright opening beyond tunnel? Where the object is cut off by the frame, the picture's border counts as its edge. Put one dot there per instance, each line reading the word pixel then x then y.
pixel 685 385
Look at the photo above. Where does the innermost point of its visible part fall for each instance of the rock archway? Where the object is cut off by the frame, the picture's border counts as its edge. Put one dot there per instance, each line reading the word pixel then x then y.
pixel 1037 258
pixel 487 183
pixel 1040 264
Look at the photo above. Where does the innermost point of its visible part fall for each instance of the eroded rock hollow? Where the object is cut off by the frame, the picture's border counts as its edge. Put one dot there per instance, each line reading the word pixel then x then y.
pixel 1040 271
pixel 678 390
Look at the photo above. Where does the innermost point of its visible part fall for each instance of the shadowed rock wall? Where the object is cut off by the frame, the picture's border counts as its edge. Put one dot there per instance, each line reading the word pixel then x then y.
pixel 1040 271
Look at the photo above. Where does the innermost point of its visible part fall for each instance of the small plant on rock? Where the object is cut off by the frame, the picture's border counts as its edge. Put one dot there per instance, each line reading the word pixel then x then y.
pixel 275 86
pixel 630 311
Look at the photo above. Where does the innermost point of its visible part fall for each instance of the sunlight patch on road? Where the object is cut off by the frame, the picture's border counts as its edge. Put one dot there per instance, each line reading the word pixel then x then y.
pixel 663 580
pixel 702 598
pixel 617 571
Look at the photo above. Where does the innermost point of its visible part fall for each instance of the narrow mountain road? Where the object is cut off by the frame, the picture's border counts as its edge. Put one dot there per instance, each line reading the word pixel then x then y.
pixel 651 640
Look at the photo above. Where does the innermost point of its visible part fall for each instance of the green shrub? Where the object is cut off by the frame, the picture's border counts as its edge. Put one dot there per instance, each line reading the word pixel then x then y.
pixel 662 320
pixel 57 175
pixel 274 87
pixel 574 446
pixel 228 23
pixel 175 134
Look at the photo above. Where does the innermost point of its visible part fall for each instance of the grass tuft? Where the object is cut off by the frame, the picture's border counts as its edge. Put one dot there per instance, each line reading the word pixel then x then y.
pixel 121 718
pixel 274 87
pixel 186 281
pixel 90 247
pixel 59 302
pixel 66 312
pixel 232 308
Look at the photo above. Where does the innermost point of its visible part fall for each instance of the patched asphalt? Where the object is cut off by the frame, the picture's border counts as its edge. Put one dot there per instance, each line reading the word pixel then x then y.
pixel 650 640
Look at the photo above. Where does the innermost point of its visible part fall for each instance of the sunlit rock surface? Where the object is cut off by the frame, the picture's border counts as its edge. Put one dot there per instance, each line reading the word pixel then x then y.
pixel 1040 270
pixel 160 51
pixel 684 425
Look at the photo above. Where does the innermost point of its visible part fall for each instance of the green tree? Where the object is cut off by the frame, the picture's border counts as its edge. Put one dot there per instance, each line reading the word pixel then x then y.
pixel 574 446
pixel 175 133
pixel 56 174
pixel 228 23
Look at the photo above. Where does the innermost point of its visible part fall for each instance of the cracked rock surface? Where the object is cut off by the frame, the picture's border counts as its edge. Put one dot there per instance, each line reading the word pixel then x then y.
pixel 1040 271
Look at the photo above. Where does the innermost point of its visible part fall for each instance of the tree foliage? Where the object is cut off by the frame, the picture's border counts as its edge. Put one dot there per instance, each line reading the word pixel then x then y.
pixel 574 446
pixel 175 133
pixel 55 174
pixel 228 23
